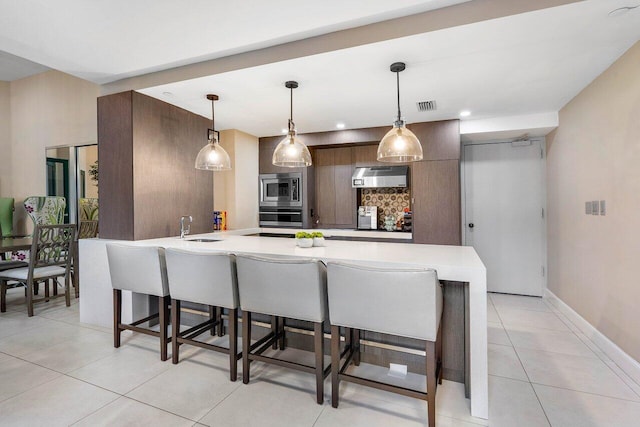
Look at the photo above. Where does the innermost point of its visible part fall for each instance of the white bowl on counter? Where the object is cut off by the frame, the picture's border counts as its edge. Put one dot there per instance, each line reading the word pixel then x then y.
pixel 304 243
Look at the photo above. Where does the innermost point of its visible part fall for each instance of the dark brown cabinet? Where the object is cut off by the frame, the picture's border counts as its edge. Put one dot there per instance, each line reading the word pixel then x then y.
pixel 435 186
pixel 335 199
pixel 366 155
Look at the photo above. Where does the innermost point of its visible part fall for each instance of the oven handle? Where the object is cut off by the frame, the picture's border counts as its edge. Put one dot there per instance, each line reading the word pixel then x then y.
pixel 280 212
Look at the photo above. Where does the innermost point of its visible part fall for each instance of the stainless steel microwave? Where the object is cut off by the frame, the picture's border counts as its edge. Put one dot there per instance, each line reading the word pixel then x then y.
pixel 281 189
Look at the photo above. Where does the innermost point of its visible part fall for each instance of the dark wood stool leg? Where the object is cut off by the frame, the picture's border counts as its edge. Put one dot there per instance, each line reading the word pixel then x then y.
pixel 356 347
pixel 36 288
pixel 54 285
pixel 219 311
pixel 163 310
pixel 3 296
pixel 281 332
pixel 431 382
pixel 117 316
pixel 274 328
pixel 318 346
pixel 335 363
pixel 175 330
pixel 212 316
pixel 246 344
pixel 233 344
pixel 46 291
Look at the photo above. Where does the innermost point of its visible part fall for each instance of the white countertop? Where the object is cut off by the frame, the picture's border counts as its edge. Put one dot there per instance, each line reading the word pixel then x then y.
pixel 451 262
pixel 327 232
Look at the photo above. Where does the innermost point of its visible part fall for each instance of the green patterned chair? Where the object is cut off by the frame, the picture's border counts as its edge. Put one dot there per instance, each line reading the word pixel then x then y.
pixel 6 216
pixel 43 210
pixel 88 218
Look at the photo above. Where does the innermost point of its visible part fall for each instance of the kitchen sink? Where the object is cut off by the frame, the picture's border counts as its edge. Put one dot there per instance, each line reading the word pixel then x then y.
pixel 203 240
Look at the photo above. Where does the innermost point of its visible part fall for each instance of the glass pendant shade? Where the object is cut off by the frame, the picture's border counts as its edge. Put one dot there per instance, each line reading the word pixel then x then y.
pixel 291 152
pixel 213 157
pixel 399 145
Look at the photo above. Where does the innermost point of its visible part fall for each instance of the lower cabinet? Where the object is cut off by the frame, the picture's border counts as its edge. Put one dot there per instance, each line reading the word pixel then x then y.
pixel 435 189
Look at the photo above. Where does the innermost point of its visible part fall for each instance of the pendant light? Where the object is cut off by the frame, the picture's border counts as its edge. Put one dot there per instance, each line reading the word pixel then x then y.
pixel 291 152
pixel 212 156
pixel 399 145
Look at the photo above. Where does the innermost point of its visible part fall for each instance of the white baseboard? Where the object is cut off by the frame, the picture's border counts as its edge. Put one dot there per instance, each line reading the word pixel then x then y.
pixel 627 363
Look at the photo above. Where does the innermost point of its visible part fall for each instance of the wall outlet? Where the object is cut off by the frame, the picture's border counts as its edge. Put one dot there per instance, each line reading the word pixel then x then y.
pixel 595 207
pixel 587 208
pixel 603 209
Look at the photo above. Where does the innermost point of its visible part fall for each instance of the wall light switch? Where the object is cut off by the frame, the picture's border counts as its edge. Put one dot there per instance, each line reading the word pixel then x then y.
pixel 587 208
pixel 595 208
pixel 603 209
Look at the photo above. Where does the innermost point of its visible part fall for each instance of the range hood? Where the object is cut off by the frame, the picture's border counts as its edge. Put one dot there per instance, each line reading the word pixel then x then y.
pixel 380 177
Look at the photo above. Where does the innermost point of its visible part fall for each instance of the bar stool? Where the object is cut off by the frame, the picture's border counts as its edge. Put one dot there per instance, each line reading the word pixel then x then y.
pixel 407 302
pixel 283 288
pixel 141 270
pixel 210 279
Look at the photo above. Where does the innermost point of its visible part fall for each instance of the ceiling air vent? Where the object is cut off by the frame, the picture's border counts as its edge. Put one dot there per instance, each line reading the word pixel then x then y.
pixel 426 105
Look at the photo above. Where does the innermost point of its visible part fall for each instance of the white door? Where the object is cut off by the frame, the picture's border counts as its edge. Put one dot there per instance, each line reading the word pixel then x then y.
pixel 504 214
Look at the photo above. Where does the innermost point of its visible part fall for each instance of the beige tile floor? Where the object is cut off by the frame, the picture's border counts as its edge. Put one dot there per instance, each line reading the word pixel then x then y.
pixel 55 371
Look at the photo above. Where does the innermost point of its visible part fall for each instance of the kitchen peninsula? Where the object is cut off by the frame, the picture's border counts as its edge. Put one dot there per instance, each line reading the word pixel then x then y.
pixel 453 263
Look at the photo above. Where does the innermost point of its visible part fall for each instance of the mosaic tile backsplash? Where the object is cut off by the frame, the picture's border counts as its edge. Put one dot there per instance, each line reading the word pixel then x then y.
pixel 390 201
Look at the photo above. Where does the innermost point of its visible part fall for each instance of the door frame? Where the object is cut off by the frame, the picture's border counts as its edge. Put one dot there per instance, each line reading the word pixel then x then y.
pixel 543 202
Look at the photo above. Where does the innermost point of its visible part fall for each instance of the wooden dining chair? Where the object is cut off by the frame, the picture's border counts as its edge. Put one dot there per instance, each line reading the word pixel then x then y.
pixel 50 258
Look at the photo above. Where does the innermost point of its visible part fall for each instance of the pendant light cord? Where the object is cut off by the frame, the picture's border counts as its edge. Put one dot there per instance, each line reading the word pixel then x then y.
pixel 213 118
pixel 290 109
pixel 398 89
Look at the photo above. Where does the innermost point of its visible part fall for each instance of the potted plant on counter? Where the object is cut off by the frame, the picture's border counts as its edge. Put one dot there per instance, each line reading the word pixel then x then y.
pixel 304 239
pixel 318 238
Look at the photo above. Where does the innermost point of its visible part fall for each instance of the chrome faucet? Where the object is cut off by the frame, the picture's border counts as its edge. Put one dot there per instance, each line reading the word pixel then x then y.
pixel 185 230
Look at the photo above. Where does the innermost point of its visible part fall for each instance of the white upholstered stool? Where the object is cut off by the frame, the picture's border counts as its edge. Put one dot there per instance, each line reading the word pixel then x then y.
pixel 139 269
pixel 209 279
pixel 283 288
pixel 405 302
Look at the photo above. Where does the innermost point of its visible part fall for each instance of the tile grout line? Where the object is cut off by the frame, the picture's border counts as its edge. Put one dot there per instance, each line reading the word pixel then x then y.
pixel 587 392
pixel 527 374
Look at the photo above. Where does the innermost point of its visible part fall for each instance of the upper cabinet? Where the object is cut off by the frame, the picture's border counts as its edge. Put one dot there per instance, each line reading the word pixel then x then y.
pixel 335 199
pixel 440 140
pixel 366 155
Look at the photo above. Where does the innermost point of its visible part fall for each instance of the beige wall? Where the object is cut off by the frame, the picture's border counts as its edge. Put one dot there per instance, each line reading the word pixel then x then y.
pixel 5 141
pixel 594 261
pixel 236 191
pixel 48 109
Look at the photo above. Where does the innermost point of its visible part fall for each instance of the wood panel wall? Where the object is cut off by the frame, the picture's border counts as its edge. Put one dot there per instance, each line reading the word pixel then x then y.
pixel 150 146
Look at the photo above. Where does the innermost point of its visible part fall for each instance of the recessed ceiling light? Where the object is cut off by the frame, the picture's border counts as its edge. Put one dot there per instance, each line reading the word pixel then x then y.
pixel 465 113
pixel 340 125
pixel 284 131
pixel 167 93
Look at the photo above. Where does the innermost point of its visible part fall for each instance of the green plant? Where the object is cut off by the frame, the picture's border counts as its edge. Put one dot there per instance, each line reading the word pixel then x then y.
pixel 317 234
pixel 93 172
pixel 303 235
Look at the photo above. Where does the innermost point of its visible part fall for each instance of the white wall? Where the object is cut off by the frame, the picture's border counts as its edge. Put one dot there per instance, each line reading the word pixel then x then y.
pixel 236 191
pixel 594 154
pixel 5 141
pixel 48 109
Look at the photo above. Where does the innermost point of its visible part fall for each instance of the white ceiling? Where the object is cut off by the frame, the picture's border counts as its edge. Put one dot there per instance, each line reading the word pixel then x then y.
pixel 524 64
pixel 103 41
